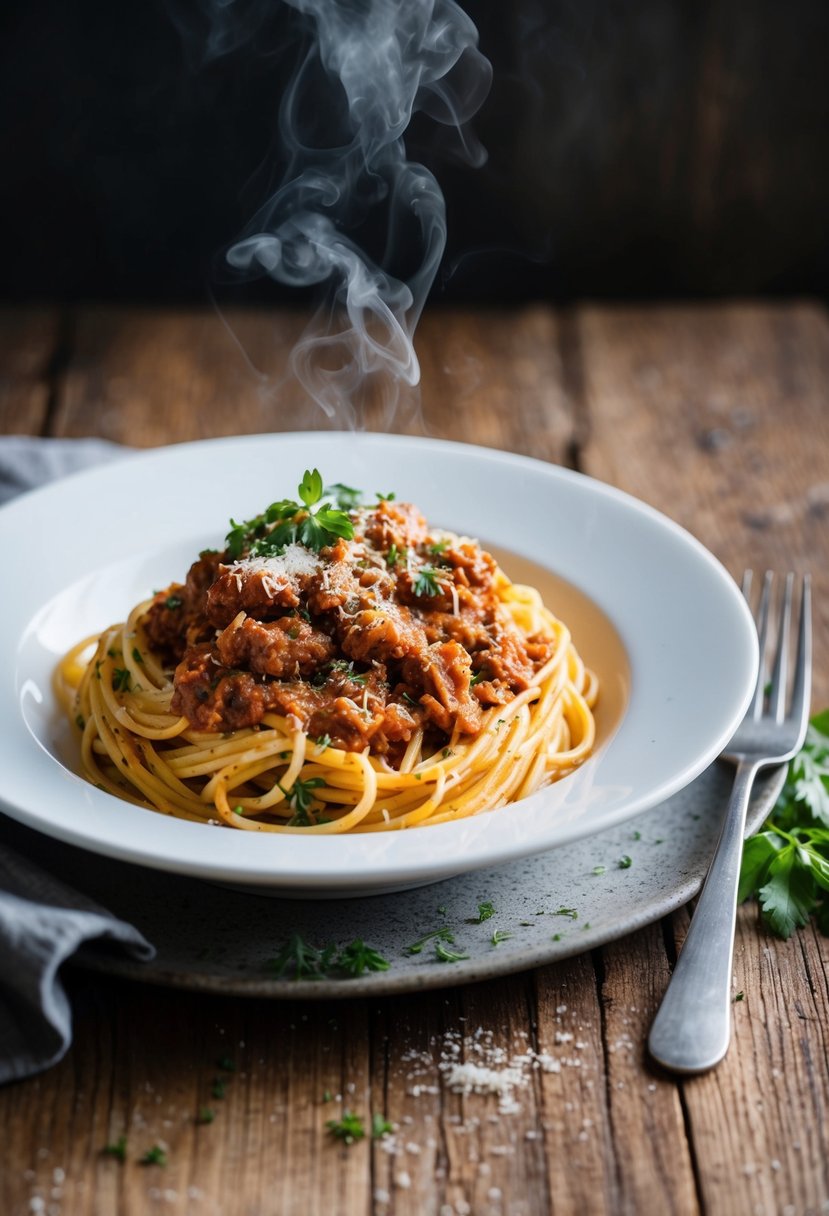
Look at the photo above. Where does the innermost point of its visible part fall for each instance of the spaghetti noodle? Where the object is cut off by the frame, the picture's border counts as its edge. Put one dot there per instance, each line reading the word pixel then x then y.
pixel 332 671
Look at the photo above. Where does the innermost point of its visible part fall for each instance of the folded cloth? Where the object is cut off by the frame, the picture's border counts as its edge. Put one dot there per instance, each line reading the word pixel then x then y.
pixel 42 921
pixel 26 463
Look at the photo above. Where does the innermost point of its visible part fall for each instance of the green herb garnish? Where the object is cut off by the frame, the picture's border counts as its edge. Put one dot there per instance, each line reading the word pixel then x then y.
pixel 206 1115
pixel 380 1126
pixel 427 582
pixel 154 1156
pixel 444 955
pixel 625 862
pixel 118 1149
pixel 444 934
pixel 348 1129
pixel 485 911
pixel 304 961
pixel 299 798
pixel 121 679
pixel 786 865
pixel 571 912
pixel 500 935
pixel 346 497
pixel 357 957
pixel 289 522
pixel 173 601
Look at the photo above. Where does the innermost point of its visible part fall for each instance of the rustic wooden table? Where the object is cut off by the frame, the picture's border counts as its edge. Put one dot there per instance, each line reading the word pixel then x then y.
pixel 717 416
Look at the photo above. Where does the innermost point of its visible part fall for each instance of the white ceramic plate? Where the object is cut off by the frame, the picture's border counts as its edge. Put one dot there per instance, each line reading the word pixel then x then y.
pixel 677 671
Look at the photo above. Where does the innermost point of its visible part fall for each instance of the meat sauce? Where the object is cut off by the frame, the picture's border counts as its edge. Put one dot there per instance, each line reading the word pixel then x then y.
pixel 366 641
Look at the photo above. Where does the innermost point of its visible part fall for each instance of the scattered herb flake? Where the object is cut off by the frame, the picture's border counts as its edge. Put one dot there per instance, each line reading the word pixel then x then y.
pixel 218 1089
pixel 121 679
pixel 444 955
pixel 357 957
pixel 485 911
pixel 348 1129
pixel 380 1126
pixel 625 862
pixel 599 870
pixel 444 934
pixel 154 1156
pixel 739 996
pixel 427 582
pixel 500 935
pixel 118 1149
pixel 173 601
pixel 205 1115
pixel 571 912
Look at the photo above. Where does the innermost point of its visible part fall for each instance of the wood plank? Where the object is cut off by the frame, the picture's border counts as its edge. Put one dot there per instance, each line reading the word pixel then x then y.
pixel 653 1160
pixel 29 342
pixel 717 415
pixel 147 378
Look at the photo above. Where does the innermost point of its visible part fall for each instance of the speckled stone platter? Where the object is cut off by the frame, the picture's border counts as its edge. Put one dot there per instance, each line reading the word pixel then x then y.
pixel 551 906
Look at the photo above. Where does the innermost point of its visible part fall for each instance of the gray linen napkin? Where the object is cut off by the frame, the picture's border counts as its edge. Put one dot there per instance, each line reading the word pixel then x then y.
pixel 42 921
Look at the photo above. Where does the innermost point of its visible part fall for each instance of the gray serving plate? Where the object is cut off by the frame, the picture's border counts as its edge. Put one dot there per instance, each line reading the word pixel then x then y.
pixel 551 906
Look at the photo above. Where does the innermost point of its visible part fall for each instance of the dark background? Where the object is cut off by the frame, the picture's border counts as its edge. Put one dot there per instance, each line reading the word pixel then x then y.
pixel 655 148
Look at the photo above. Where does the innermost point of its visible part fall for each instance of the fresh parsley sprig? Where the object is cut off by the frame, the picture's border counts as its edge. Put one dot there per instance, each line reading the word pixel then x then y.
pixel 290 522
pixel 306 962
pixel 786 865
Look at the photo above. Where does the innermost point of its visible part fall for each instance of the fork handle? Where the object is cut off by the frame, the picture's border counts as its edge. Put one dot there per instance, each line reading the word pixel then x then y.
pixel 692 1029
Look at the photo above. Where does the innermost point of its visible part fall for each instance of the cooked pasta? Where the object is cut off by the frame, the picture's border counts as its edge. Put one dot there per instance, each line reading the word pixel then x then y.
pixel 344 669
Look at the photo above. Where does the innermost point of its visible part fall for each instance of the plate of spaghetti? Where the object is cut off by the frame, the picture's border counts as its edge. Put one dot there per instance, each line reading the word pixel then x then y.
pixel 259 674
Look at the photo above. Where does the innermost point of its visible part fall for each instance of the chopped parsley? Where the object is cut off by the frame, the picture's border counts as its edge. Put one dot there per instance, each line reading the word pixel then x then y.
pixel 500 935
pixel 302 960
pixel 206 1115
pixel 121 679
pixel 439 547
pixel 357 957
pixel 218 1089
pixel 380 1126
pixel 299 798
pixel 599 869
pixel 476 678
pixel 444 955
pixel 571 912
pixel 118 1149
pixel 348 1129
pixel 786 865
pixel 444 934
pixel 485 911
pixel 739 996
pixel 173 601
pixel 154 1156
pixel 427 582
pixel 624 862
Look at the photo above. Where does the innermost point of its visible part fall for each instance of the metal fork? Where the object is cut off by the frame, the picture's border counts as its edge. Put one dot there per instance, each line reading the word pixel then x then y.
pixel 692 1029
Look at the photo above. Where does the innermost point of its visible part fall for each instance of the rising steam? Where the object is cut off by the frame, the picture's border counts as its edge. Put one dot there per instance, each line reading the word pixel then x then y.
pixel 380 61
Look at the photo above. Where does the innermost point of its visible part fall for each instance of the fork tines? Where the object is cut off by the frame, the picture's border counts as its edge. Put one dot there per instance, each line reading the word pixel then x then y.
pixel 772 689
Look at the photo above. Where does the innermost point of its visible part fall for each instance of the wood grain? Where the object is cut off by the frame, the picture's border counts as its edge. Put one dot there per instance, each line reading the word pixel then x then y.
pixel 717 417
pixel 29 346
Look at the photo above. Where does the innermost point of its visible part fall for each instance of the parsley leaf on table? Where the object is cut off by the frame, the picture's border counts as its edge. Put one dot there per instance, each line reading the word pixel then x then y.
pixel 786 865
